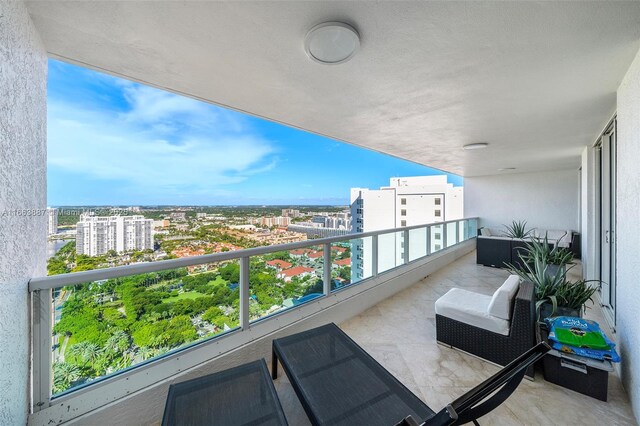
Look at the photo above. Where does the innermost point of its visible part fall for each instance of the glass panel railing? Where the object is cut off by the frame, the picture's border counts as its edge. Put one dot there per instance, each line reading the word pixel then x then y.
pixel 452 235
pixel 350 262
pixel 417 243
pixel 390 250
pixel 437 238
pixel 105 326
pixel 473 227
pixel 462 230
pixel 282 280
pixel 361 259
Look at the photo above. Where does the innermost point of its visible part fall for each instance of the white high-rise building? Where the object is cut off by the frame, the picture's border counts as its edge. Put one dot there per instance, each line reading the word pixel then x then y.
pixel 407 201
pixel 96 235
pixel 52 221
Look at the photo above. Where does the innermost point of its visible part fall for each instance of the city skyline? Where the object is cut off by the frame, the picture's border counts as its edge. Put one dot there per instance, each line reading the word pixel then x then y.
pixel 116 142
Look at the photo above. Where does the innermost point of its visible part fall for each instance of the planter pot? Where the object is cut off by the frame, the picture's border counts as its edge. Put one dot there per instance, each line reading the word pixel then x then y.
pixel 562 311
pixel 552 270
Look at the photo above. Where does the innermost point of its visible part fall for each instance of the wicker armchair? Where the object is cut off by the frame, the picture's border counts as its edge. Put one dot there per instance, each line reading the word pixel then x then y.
pixel 495 347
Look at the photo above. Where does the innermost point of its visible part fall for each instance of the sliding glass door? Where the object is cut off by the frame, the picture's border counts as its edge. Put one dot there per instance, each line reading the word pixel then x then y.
pixel 607 220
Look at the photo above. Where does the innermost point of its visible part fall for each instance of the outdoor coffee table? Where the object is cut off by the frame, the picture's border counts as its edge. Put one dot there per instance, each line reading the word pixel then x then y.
pixel 243 395
pixel 338 383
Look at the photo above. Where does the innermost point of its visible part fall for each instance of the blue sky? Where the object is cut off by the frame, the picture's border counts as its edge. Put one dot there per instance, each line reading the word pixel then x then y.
pixel 115 142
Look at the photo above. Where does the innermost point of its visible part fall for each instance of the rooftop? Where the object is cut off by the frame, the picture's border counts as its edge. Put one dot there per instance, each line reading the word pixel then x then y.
pixel 343 262
pixel 279 263
pixel 296 271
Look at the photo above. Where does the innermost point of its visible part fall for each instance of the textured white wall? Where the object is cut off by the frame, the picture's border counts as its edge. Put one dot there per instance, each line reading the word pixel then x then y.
pixel 23 78
pixel 547 200
pixel 628 242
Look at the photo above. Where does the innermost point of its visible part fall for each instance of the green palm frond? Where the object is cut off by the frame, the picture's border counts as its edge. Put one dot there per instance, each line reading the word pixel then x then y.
pixel 518 229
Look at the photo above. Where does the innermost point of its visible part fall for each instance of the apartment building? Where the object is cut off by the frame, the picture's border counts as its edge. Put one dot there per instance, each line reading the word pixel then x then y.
pixel 407 201
pixel 96 235
pixel 52 221
pixel 291 213
pixel 271 221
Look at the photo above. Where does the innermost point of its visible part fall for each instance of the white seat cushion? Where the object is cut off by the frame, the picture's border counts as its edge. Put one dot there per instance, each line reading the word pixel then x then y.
pixel 502 300
pixel 556 237
pixel 470 308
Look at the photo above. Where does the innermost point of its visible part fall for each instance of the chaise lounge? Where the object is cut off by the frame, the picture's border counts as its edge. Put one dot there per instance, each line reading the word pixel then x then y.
pixel 496 328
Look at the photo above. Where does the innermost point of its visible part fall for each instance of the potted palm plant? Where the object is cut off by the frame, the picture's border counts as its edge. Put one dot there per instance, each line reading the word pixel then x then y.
pixel 558 258
pixel 555 295
pixel 553 257
pixel 518 229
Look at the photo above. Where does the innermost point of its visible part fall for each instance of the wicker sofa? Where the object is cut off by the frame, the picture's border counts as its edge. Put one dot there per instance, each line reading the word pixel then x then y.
pixel 497 250
pixel 493 346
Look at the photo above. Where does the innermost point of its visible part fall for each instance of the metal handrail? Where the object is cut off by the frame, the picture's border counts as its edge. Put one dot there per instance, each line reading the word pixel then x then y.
pixel 55 281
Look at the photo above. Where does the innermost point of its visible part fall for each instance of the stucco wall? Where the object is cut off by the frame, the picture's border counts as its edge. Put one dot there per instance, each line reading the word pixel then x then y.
pixel 23 71
pixel 628 240
pixel 546 200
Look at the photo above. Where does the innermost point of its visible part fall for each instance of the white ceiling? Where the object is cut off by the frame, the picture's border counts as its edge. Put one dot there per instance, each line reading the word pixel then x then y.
pixel 535 80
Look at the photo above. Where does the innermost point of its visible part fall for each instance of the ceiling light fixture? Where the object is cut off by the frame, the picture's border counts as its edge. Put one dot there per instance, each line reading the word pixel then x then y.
pixel 506 169
pixel 479 145
pixel 332 43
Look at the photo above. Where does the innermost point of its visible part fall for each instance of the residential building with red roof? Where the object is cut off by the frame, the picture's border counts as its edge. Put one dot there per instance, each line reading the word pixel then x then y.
pixel 315 255
pixel 278 264
pixel 299 252
pixel 343 262
pixel 298 271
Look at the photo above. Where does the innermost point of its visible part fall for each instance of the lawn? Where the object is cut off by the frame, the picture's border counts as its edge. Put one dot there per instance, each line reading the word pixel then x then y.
pixel 194 294
pixel 218 280
pixel 186 295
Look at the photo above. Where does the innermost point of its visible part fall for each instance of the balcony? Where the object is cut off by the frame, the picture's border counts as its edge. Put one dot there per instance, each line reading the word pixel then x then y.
pixel 400 334
pixel 391 260
pixel 553 87
pixel 390 313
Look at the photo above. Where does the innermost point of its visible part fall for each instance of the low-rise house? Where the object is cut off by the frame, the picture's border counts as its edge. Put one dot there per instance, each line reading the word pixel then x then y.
pixel 299 253
pixel 342 262
pixel 278 264
pixel 316 255
pixel 298 271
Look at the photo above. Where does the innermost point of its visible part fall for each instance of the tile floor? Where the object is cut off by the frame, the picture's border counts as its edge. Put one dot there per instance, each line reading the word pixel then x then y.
pixel 400 334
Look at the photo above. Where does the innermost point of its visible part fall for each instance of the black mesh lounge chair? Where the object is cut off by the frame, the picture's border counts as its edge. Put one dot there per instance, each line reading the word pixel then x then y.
pixel 338 383
pixel 495 347
pixel 478 401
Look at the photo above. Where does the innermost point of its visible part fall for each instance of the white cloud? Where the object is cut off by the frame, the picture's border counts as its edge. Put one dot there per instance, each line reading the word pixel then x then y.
pixel 162 144
pixel 167 111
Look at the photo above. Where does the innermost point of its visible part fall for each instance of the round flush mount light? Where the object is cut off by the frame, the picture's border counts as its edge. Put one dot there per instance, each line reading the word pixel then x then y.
pixel 506 169
pixel 472 146
pixel 332 43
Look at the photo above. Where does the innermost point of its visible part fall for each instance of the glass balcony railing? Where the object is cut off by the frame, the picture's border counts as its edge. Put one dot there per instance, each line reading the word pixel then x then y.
pixel 351 262
pixel 92 325
pixel 391 248
pixel 417 243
